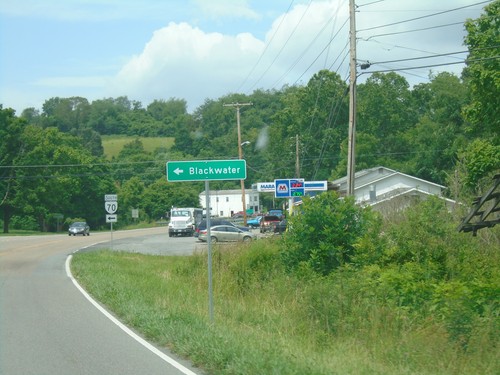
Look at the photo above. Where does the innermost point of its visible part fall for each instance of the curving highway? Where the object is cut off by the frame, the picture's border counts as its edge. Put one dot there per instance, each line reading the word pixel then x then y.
pixel 49 327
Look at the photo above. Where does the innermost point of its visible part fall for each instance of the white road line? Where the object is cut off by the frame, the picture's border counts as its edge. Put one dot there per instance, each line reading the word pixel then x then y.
pixel 139 339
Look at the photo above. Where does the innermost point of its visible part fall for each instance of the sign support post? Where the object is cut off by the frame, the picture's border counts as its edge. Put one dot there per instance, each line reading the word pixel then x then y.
pixel 209 245
pixel 207 170
pixel 111 206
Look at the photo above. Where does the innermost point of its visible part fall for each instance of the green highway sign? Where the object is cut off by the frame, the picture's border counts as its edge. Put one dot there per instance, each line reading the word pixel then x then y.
pixel 206 170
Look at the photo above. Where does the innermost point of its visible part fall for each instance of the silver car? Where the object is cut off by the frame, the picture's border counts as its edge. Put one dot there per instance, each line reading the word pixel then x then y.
pixel 79 227
pixel 226 233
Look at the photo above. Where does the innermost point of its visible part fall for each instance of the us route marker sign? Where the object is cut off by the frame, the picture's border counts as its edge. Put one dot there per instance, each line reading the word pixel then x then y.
pixel 111 203
pixel 206 170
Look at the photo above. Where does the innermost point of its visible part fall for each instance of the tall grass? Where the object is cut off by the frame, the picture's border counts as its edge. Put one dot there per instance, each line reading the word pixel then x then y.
pixel 269 321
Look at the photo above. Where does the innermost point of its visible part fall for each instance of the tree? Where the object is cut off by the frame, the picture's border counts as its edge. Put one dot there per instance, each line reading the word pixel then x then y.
pixel 439 132
pixel 168 114
pixel 482 72
pixel 132 161
pixel 90 140
pixel 65 113
pixel 160 196
pixel 55 174
pixel 11 129
pixel 318 113
pixel 385 110
pixel 107 116
pixel 479 161
pixel 131 197
pixel 323 236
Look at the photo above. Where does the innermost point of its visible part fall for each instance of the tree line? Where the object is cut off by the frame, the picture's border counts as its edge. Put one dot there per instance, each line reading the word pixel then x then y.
pixel 445 131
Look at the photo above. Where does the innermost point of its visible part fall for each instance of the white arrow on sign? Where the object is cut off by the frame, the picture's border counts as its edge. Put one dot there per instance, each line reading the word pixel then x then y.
pixel 178 171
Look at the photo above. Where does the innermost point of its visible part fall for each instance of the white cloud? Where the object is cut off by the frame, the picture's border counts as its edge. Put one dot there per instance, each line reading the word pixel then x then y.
pixel 183 61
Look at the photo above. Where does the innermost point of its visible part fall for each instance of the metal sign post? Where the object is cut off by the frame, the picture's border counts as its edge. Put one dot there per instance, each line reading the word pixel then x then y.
pixel 111 206
pixel 207 170
pixel 209 245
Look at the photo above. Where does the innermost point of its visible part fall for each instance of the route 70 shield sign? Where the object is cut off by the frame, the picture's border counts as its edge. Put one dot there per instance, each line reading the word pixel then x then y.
pixel 111 203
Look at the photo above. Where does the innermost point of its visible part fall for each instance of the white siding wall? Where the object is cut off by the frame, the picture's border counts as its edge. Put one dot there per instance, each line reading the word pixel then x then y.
pixel 224 203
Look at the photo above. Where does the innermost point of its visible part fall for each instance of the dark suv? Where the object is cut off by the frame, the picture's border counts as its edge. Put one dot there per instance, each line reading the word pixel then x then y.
pixel 203 225
pixel 268 222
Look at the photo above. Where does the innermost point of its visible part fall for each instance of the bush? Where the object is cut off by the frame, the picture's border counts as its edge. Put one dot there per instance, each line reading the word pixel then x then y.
pixel 24 223
pixel 326 232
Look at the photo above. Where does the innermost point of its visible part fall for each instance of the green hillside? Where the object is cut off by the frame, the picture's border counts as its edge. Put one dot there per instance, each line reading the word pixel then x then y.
pixel 113 144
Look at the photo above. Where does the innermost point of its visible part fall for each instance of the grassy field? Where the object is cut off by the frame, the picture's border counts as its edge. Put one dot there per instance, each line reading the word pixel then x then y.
pixel 267 321
pixel 114 144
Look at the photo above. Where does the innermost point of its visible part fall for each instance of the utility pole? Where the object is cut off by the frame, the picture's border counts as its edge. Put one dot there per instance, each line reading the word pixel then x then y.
pixel 240 155
pixel 352 101
pixel 297 165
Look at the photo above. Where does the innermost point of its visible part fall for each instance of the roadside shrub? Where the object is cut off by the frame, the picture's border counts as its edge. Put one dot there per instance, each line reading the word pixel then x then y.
pixel 423 235
pixel 325 233
pixel 24 223
pixel 451 276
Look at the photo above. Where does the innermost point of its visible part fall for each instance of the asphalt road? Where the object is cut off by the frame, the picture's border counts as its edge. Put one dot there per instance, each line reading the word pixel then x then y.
pixel 49 327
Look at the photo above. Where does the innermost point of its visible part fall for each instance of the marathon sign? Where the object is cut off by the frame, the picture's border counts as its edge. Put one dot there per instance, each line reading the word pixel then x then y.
pixel 270 187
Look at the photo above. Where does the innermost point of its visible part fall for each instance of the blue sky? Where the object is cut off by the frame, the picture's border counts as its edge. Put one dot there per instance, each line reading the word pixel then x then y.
pixel 204 49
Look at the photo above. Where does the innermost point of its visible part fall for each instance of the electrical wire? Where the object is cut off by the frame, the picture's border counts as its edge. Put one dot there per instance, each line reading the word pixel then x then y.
pixel 422 17
pixel 308 161
pixel 417 58
pixel 466 61
pixel 266 47
pixel 412 31
pixel 283 47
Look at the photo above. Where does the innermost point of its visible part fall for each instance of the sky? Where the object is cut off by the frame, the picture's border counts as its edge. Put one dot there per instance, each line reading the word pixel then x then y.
pixel 199 50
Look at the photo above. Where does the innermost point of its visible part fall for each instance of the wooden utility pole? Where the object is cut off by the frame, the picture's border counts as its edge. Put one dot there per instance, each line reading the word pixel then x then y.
pixel 297 165
pixel 352 101
pixel 240 154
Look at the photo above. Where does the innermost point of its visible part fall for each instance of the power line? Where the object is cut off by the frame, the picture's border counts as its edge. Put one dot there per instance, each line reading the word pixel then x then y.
pixel 412 31
pixel 435 65
pixel 283 47
pixel 265 48
pixel 311 161
pixel 77 165
pixel 322 51
pixel 422 17
pixel 416 58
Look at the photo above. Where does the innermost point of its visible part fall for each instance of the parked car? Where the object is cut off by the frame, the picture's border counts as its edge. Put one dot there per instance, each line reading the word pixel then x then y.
pixel 255 222
pixel 79 227
pixel 276 212
pixel 238 215
pixel 203 225
pixel 219 233
pixel 280 227
pixel 267 223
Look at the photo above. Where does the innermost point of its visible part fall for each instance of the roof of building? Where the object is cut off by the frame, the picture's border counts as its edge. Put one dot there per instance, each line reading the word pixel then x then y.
pixel 371 175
